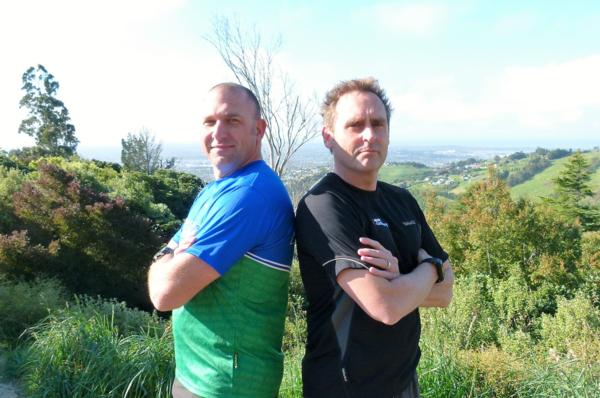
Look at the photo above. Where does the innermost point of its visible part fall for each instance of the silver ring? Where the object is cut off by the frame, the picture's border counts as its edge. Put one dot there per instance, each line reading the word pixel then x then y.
pixel 388 264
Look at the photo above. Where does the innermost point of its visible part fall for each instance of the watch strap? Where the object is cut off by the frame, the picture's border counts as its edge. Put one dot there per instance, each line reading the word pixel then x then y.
pixel 438 264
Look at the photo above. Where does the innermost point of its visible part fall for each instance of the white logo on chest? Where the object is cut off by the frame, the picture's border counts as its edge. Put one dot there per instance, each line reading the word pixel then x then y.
pixel 380 223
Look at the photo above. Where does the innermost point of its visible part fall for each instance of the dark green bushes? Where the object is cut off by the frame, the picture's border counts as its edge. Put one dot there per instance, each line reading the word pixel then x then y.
pixel 89 224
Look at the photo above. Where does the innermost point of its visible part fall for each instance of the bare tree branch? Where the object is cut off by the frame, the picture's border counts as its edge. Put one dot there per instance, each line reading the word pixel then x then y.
pixel 291 119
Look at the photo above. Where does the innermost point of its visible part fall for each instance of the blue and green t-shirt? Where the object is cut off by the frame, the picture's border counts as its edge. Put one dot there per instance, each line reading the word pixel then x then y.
pixel 228 337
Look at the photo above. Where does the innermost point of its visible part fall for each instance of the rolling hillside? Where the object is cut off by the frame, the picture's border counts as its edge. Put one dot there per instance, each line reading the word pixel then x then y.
pixel 541 184
pixel 453 179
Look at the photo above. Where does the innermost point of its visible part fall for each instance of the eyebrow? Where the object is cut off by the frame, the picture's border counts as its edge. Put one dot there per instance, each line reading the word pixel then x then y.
pixel 226 115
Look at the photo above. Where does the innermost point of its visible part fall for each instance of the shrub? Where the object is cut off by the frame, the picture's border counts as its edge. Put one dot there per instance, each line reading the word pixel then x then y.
pixel 24 304
pixel 471 319
pixel 573 330
pixel 10 182
pixel 99 246
pixel 512 298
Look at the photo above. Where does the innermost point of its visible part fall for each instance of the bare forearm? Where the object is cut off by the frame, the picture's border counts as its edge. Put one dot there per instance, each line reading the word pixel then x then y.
pixel 397 298
pixel 407 292
pixel 441 293
pixel 175 281
pixel 158 283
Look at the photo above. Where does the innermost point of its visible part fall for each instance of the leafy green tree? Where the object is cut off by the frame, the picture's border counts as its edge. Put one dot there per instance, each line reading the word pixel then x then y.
pixel 572 188
pixel 489 233
pixel 141 152
pixel 48 121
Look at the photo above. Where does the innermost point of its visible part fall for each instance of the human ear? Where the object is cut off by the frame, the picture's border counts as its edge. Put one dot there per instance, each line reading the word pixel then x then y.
pixel 327 137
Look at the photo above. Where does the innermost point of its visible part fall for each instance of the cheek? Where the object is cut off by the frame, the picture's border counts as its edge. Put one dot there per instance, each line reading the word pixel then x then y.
pixel 205 141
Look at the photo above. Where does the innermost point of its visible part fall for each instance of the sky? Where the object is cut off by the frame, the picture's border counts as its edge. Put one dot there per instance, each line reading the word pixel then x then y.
pixel 464 72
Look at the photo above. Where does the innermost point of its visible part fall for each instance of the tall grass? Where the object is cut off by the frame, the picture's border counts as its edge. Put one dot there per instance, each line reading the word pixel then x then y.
pixel 82 352
pixel 101 348
pixel 23 304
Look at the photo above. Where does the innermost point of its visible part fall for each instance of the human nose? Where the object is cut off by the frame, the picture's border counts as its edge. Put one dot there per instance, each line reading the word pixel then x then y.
pixel 368 134
pixel 218 129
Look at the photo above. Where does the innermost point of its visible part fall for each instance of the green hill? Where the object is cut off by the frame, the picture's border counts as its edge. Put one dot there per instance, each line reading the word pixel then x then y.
pixel 454 179
pixel 404 173
pixel 542 185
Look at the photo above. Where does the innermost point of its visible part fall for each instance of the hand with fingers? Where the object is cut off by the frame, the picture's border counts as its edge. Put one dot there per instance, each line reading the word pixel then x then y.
pixel 383 262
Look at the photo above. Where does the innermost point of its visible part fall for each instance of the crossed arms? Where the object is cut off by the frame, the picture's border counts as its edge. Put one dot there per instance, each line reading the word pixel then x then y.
pixel 176 278
pixel 386 295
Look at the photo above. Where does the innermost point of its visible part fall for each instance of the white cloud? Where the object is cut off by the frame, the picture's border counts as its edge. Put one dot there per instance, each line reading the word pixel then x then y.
pixel 418 19
pixel 542 97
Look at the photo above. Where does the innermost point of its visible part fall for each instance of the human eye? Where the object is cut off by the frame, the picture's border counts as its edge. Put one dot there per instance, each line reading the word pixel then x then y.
pixel 355 125
pixel 208 122
pixel 234 120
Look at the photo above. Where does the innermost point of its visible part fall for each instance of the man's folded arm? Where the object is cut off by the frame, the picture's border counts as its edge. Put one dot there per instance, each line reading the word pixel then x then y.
pixel 175 280
pixel 441 293
pixel 388 301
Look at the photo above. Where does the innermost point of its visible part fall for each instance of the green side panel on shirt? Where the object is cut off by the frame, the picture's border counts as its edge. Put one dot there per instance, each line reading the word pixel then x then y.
pixel 228 337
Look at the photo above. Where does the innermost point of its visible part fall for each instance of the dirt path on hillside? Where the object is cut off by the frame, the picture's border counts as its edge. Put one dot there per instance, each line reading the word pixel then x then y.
pixel 7 390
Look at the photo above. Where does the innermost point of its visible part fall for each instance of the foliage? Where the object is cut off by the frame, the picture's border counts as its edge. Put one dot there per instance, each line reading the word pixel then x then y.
pixel 92 243
pixel 83 352
pixel 48 120
pixel 141 152
pixel 176 190
pixel 471 319
pixel 90 224
pixel 573 330
pixel 534 165
pixel 487 232
pixel 11 180
pixel 571 191
pixel 517 155
pixel 23 304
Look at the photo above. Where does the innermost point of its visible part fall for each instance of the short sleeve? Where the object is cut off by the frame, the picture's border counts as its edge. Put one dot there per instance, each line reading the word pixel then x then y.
pixel 228 229
pixel 428 240
pixel 333 240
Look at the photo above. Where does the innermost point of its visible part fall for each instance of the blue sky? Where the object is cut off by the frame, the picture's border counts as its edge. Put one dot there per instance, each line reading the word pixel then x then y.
pixel 471 73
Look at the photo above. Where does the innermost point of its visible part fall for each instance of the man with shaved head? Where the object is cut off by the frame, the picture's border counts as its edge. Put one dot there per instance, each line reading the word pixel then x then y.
pixel 225 272
pixel 368 259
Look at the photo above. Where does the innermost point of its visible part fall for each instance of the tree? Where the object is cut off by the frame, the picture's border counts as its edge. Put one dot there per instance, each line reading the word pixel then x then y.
pixel 290 118
pixel 571 191
pixel 48 120
pixel 141 152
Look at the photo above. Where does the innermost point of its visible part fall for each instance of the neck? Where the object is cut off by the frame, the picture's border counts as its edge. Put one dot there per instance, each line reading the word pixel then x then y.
pixel 225 170
pixel 367 181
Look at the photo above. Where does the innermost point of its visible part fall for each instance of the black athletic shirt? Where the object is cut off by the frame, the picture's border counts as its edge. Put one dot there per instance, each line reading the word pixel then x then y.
pixel 348 353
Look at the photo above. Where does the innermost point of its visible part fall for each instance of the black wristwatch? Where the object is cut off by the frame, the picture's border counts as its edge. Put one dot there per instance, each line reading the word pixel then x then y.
pixel 161 253
pixel 438 264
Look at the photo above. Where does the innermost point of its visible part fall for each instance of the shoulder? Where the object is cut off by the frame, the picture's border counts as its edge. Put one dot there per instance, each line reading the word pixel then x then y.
pixel 397 193
pixel 323 195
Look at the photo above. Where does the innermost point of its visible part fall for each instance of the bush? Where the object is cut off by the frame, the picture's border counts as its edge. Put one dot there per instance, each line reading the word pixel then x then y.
pixel 10 182
pixel 471 319
pixel 84 352
pixel 93 244
pixel 24 304
pixel 513 299
pixel 573 330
